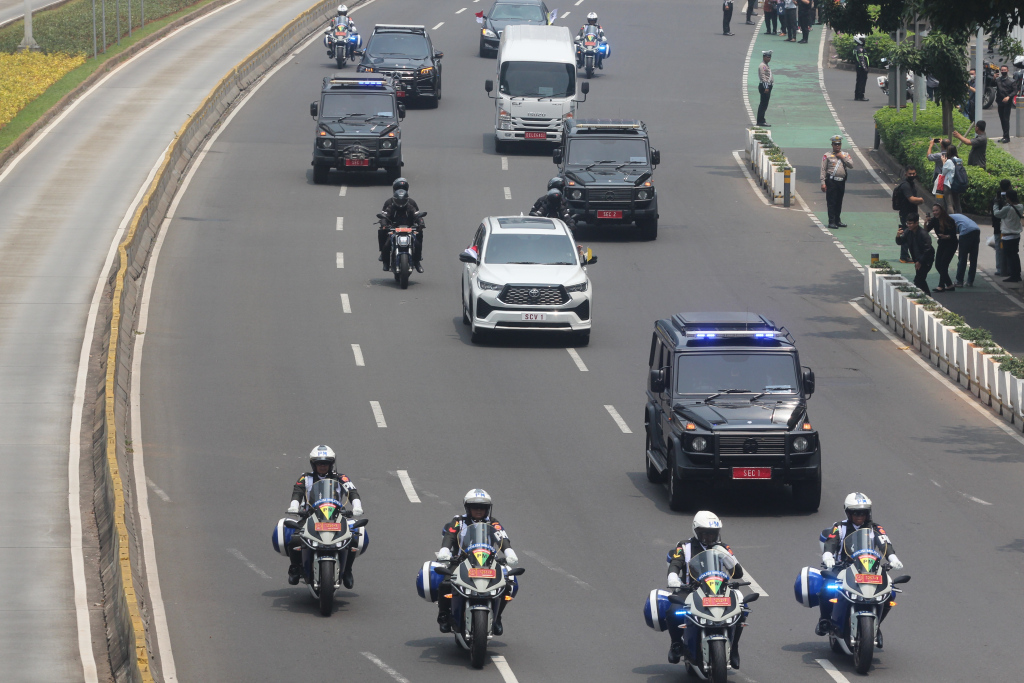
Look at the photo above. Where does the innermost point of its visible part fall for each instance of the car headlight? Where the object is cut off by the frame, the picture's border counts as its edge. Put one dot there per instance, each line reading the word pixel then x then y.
pixel 327 144
pixel 426 71
pixel 801 443
pixel 576 194
pixel 483 284
pixel 642 194
pixel 388 144
pixel 578 287
pixel 489 33
pixel 698 443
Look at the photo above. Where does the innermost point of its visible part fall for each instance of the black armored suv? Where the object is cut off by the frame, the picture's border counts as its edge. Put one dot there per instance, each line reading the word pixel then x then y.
pixel 727 401
pixel 406 53
pixel 357 126
pixel 607 165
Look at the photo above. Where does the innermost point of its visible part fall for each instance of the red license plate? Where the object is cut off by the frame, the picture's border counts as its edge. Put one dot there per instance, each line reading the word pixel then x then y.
pixel 718 601
pixel 869 578
pixel 357 162
pixel 400 93
pixel 751 472
pixel 609 214
pixel 536 136
pixel 327 526
pixel 477 573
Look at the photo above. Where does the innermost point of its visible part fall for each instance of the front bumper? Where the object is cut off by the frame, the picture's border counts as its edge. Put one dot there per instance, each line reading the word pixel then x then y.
pixel 412 83
pixel 573 316
pixel 376 157
pixel 787 467
pixel 587 210
pixel 520 135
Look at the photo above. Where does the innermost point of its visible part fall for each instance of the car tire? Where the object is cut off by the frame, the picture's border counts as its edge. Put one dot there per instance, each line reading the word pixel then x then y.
pixel 648 227
pixel 435 100
pixel 807 494
pixel 321 173
pixel 679 491
pixel 500 146
pixel 477 335
pixel 465 312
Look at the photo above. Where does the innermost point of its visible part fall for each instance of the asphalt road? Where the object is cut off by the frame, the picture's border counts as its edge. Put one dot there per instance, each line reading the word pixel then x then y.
pixel 15 9
pixel 248 364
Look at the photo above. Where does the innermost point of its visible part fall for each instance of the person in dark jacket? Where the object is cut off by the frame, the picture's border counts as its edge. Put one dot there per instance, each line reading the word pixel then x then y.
pixel 726 17
pixel 400 210
pixel 804 12
pixel 946 241
pixel 552 204
pixel 1006 88
pixel 860 58
pixel 920 246
pixel 907 199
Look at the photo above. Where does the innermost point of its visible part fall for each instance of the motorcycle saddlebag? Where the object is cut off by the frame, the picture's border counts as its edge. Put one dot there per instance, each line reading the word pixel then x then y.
pixel 808 586
pixel 362 540
pixel 281 537
pixel 656 609
pixel 428 582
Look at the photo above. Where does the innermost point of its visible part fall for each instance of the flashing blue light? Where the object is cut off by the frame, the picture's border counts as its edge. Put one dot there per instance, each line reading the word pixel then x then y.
pixel 379 84
pixel 705 335
pixel 603 48
pixel 833 586
pixel 682 612
pixel 353 38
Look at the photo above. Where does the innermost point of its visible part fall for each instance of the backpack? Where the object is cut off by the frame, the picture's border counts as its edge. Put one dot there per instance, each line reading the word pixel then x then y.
pixel 898 200
pixel 959 183
pixel 768 6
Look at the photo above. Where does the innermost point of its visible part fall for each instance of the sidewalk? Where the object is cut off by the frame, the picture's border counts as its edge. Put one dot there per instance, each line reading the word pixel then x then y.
pixel 802 125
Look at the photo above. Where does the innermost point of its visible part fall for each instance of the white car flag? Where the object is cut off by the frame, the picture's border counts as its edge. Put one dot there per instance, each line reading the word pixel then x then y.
pixel 552 15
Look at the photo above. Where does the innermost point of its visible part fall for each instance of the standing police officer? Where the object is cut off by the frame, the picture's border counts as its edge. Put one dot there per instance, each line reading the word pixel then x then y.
pixel 833 180
pixel 726 16
pixel 860 57
pixel 764 86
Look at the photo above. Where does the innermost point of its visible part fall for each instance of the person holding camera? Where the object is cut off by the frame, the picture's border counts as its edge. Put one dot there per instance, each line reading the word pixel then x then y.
pixel 938 157
pixel 905 200
pixel 1009 211
pixel 919 243
pixel 833 181
pixel 979 144
pixel 946 240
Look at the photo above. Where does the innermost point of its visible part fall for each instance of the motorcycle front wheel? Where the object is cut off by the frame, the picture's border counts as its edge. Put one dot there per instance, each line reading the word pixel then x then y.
pixel 590 70
pixel 862 654
pixel 716 653
pixel 989 99
pixel 403 271
pixel 478 647
pixel 326 587
pixel 340 59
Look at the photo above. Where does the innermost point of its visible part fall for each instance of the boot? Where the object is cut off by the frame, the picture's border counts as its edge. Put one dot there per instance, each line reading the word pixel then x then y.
pixel 444 621
pixel 498 628
pixel 878 639
pixel 675 652
pixel 822 628
pixel 419 267
pixel 294 574
pixel 734 658
pixel 348 580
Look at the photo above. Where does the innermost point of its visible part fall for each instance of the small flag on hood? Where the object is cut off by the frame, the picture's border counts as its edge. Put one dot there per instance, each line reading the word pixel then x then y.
pixel 479 17
pixel 552 15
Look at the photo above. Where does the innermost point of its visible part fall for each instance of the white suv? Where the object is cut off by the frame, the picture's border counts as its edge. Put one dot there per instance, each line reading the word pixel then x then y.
pixel 526 273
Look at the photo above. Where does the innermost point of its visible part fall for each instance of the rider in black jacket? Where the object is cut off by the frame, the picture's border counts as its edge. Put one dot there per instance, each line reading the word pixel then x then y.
pixel 400 209
pixel 552 204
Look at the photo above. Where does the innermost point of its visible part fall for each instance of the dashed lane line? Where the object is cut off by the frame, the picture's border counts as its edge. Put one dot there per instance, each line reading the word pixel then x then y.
pixel 508 193
pixel 972 498
pixel 385 668
pixel 358 353
pixel 245 560
pixel 346 307
pixel 564 15
pixel 558 570
pixel 577 360
pixel 343 190
pixel 504 669
pixel 832 671
pixel 578 2
pixel 618 419
pixel 160 493
pixel 754 585
pixel 504 163
pixel 378 414
pixel 438 26
pixel 339 259
pixel 410 492
pixel 461 10
pixel 340 223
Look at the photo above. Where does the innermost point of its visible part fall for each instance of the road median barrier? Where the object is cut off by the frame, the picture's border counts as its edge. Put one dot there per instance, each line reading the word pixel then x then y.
pixel 769 163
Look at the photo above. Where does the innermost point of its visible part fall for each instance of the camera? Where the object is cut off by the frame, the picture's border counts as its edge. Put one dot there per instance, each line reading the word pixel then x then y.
pixel 936 139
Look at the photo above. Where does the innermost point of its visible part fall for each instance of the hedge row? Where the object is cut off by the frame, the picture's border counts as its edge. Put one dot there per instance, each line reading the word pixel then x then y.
pixel 907 142
pixel 26 75
pixel 878 45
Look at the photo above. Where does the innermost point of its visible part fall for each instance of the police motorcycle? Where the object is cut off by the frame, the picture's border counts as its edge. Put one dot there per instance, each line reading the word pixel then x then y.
pixel 401 241
pixel 327 533
pixel 479 581
pixel 590 50
pixel 341 43
pixel 709 615
pixel 883 81
pixel 861 592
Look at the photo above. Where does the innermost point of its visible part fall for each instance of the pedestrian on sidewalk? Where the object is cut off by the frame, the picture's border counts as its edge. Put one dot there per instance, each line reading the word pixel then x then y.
pixel 804 12
pixel 1009 211
pixel 834 165
pixel 817 11
pixel 997 243
pixel 905 200
pixel 979 145
pixel 791 21
pixel 860 56
pixel 932 85
pixel 938 157
pixel 751 6
pixel 726 17
pixel 1005 90
pixel 949 168
pixel 771 17
pixel 920 245
pixel 764 86
pixel 945 245
pixel 970 99
pixel 969 237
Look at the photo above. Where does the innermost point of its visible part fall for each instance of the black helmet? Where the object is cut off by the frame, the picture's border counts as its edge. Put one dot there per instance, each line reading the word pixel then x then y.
pixel 400 184
pixel 556 183
pixel 401 199
pixel 554 196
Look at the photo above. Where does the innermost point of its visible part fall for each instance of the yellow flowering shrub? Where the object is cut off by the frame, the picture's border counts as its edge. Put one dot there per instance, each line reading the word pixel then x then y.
pixel 25 76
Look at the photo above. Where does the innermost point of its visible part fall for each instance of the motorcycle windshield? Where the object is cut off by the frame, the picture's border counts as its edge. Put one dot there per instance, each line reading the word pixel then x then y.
pixel 590 39
pixel 480 544
pixel 327 497
pixel 865 549
pixel 712 569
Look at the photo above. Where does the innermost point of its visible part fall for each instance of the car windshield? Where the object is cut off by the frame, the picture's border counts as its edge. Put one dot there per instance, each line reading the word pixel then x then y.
pixel 757 373
pixel 537 79
pixel 340 105
pixel 506 12
pixel 583 152
pixel 398 45
pixel 530 249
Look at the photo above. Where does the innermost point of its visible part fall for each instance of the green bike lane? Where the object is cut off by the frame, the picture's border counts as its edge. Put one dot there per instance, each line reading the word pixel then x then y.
pixel 802 124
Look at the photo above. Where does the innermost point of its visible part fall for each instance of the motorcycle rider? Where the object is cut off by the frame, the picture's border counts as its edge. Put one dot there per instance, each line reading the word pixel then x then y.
pixel 860 57
pixel 400 209
pixel 341 19
pixel 707 529
pixel 321 460
pixel 478 505
pixel 858 515
pixel 552 204
pixel 590 26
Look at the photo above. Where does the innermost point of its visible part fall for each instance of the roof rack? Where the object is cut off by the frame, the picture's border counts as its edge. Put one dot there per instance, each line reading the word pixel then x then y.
pixel 606 124
pixel 414 28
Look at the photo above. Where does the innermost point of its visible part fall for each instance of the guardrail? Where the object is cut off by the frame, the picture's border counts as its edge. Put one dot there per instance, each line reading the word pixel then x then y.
pixel 770 174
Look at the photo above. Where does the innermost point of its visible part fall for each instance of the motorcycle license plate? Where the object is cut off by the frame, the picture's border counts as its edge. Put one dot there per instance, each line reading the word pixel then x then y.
pixel 609 214
pixel 869 578
pixel 327 526
pixel 478 573
pixel 751 472
pixel 717 601
pixel 536 136
pixel 590 43
pixel 535 316
pixel 357 162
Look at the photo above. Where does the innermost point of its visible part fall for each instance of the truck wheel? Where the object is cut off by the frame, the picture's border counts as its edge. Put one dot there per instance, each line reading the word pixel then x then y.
pixel 321 173
pixel 807 494
pixel 648 227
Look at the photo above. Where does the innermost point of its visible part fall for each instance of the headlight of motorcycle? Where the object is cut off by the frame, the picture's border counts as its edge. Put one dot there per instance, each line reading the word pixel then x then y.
pixel 801 444
pixel 489 33
pixel 578 287
pixel 426 71
pixel 577 194
pixel 698 443
pixel 642 194
pixel 326 144
pixel 484 285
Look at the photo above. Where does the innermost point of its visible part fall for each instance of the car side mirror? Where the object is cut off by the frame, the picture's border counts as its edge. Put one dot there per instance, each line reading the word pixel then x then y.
pixel 591 260
pixel 360 523
pixel 751 598
pixel 808 381
pixel 467 258
pixel 443 571
pixel 901 579
pixel 314 109
pixel 556 155
pixel 401 110
pixel 655 156
pixel 657 381
pixel 438 54
pixel 489 85
pixel 518 571
pixel 585 88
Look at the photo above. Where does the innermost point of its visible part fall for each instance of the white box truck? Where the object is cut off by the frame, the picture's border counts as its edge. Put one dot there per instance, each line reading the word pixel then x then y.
pixel 536 84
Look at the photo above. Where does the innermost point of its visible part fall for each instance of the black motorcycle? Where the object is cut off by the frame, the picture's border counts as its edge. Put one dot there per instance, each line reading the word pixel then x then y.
pixel 991 74
pixel 341 43
pixel 401 246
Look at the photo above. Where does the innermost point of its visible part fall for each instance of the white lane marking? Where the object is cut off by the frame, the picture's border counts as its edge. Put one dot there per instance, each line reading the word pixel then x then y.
pixel 358 353
pixel 578 3
pixel 563 15
pixel 245 560
pixel 832 671
pixel 346 307
pixel 504 163
pixel 410 492
pixel 746 70
pixel 343 190
pixel 618 419
pixel 972 498
pixel 438 26
pixel 558 570
pixel 340 223
pixel 339 259
pixel 161 494
pixel 462 10
pixel 955 388
pixel 750 178
pixel 508 193
pixel 936 483
pixel 577 360
pixel 502 666
pixel 754 585
pixel 378 414
pixel 385 668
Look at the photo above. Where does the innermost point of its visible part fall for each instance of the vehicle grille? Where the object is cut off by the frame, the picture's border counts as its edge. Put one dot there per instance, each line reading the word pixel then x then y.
pixel 611 194
pixel 741 444
pixel 519 295
pixel 535 123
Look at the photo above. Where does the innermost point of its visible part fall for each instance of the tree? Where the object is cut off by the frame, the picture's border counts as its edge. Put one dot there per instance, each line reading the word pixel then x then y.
pixel 944 58
pixel 952 17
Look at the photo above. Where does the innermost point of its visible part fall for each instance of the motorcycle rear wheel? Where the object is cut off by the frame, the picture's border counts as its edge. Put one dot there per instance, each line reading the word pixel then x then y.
pixel 403 271
pixel 719 668
pixel 326 587
pixel 862 654
pixel 989 99
pixel 478 647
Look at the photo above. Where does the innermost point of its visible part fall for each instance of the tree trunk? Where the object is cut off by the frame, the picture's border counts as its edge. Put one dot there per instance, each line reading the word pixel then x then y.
pixel 947 119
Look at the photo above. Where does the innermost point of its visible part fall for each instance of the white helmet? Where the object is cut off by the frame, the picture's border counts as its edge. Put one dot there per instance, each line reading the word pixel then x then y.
pixel 1018 61
pixel 321 454
pixel 857 501
pixel 859 39
pixel 342 10
pixel 707 527
pixel 477 498
pixel 592 18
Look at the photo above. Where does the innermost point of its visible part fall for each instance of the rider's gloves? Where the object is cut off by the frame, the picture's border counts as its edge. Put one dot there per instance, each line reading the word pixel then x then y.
pixel 828 560
pixel 674 581
pixel 511 559
pixel 294 507
pixel 357 507
pixel 443 555
pixel 894 562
